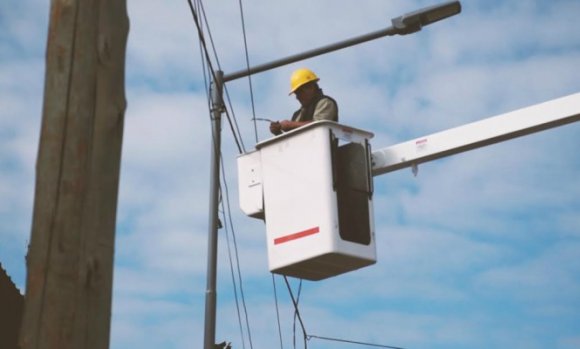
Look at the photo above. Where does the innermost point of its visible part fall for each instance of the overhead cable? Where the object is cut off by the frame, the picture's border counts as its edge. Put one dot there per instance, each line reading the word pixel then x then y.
pixel 234 282
pixel 297 312
pixel 239 273
pixel 308 337
pixel 233 124
pixel 248 67
pixel 277 310
pixel 207 60
pixel 352 342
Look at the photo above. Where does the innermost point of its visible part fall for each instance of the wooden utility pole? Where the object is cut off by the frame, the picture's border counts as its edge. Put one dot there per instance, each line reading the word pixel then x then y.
pixel 70 259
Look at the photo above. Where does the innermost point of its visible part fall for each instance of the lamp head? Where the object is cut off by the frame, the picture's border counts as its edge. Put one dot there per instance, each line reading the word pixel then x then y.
pixel 413 21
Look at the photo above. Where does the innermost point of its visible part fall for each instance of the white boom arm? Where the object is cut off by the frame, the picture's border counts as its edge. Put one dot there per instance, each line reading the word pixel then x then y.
pixel 478 134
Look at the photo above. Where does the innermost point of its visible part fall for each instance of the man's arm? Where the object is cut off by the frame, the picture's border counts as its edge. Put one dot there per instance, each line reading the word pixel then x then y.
pixel 326 109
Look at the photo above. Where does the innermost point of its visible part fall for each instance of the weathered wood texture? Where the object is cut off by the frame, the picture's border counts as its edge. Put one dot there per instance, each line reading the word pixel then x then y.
pixel 70 258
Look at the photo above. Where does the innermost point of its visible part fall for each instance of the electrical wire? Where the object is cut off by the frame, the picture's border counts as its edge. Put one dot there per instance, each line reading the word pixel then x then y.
pixel 227 199
pixel 204 68
pixel 352 342
pixel 232 120
pixel 277 310
pixel 234 280
pixel 233 124
pixel 308 337
pixel 248 67
pixel 297 313
pixel 201 37
pixel 207 61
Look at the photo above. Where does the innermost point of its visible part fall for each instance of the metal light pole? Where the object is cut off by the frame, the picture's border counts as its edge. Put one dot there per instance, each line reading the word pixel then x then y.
pixel 210 293
pixel 406 24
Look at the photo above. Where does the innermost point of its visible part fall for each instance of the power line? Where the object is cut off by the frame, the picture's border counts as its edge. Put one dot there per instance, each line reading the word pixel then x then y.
pixel 234 283
pixel 296 315
pixel 225 187
pixel 227 196
pixel 248 67
pixel 308 337
pixel 277 310
pixel 201 36
pixel 297 312
pixel 352 342
pixel 233 124
pixel 207 60
pixel 204 70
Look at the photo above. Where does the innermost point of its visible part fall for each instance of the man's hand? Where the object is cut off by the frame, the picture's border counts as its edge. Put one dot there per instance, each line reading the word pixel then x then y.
pixel 276 128
pixel 285 125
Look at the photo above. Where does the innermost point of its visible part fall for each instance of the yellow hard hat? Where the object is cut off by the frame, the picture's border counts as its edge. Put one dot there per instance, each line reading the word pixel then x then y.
pixel 300 77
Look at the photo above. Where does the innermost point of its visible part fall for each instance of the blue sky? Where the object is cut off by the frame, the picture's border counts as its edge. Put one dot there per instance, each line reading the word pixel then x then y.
pixel 479 250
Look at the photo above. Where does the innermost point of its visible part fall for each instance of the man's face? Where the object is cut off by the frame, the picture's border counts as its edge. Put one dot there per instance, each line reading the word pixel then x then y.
pixel 305 93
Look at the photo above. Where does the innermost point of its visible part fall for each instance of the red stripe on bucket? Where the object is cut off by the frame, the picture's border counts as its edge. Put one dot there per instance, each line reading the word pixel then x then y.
pixel 296 236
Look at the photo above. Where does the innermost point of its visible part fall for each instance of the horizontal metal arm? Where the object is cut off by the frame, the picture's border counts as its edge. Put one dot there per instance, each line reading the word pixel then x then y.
pixel 312 53
pixel 406 24
pixel 478 134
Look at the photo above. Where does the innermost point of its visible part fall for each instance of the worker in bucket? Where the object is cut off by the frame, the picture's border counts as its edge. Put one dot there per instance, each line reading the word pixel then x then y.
pixel 314 104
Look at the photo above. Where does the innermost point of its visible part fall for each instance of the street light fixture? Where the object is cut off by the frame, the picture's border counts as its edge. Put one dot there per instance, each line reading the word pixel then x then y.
pixel 406 24
pixel 414 21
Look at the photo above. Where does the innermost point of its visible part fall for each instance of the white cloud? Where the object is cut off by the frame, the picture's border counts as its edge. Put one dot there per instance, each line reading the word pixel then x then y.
pixel 536 278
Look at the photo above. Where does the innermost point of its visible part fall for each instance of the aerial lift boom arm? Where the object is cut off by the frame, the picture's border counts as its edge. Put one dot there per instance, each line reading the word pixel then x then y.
pixel 478 134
